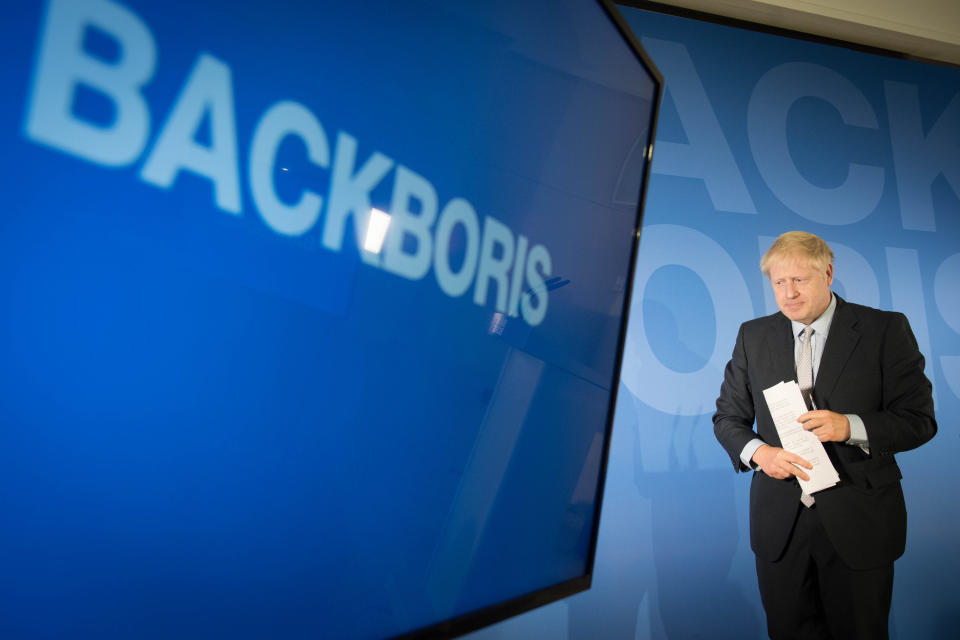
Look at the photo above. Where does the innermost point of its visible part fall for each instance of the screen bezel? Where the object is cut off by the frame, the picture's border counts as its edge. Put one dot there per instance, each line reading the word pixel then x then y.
pixel 487 616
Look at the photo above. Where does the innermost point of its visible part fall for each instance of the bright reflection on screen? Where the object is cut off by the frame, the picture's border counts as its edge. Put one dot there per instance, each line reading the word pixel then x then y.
pixel 377 225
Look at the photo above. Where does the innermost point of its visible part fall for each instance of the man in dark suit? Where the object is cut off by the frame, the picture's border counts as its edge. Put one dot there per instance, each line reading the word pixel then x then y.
pixel 825 571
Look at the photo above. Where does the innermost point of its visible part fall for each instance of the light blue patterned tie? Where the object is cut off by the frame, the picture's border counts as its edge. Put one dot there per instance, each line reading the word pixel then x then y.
pixel 805 365
pixel 805 381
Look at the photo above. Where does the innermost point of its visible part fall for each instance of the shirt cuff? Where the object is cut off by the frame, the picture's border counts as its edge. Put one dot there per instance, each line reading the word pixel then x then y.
pixel 746 456
pixel 858 432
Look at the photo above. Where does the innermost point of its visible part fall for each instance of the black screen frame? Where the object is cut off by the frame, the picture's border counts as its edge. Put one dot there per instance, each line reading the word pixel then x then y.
pixel 487 616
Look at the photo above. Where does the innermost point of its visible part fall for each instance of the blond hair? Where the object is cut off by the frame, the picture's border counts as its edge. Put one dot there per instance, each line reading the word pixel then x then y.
pixel 798 244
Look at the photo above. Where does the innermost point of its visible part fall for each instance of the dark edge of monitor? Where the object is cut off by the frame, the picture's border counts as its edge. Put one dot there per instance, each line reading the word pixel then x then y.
pixel 621 24
pixel 501 611
pixel 740 23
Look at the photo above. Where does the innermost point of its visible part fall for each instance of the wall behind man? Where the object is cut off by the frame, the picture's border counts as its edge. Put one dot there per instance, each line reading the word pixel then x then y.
pixel 923 29
pixel 760 134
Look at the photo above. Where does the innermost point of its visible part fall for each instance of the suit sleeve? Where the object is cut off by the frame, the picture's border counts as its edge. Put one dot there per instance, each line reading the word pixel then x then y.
pixel 733 421
pixel 906 418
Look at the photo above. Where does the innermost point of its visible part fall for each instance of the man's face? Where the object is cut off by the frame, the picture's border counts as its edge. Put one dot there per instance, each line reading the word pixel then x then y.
pixel 802 292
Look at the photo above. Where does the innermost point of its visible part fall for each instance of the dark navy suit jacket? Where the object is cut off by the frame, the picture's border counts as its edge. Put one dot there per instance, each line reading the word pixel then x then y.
pixel 871 366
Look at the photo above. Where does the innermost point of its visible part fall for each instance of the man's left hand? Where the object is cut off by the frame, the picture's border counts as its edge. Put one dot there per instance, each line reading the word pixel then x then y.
pixel 826 425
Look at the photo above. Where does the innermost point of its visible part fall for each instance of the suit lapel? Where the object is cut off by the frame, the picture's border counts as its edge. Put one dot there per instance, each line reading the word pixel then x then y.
pixel 779 345
pixel 841 341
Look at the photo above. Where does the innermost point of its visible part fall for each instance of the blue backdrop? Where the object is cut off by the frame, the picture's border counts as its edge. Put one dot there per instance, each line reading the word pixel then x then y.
pixel 759 134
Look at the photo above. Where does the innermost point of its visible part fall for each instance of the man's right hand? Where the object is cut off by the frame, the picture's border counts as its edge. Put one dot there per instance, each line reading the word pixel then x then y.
pixel 780 464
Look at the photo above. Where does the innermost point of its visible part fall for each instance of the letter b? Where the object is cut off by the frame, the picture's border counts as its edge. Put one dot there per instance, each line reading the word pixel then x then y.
pixel 62 65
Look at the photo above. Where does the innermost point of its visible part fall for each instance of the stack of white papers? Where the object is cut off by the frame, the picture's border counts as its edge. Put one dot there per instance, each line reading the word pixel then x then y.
pixel 786 405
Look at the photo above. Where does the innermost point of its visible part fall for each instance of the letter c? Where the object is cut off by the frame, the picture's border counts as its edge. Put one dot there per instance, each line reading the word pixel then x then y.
pixel 281 120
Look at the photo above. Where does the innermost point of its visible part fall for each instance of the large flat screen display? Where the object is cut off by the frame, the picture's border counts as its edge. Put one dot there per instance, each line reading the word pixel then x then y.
pixel 311 312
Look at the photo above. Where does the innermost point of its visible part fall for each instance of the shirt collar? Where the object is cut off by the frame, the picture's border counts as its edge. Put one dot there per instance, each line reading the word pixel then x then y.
pixel 821 326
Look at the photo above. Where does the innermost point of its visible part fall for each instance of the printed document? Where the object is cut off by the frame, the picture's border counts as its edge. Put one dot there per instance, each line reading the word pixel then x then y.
pixel 786 405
